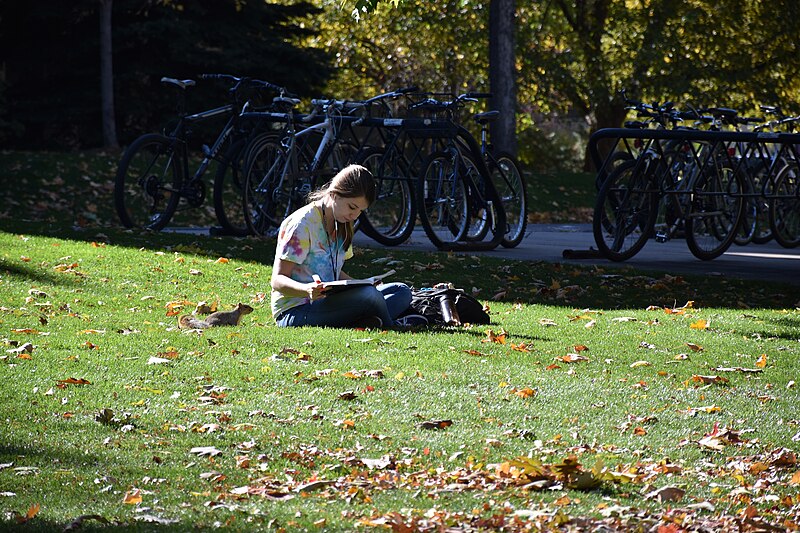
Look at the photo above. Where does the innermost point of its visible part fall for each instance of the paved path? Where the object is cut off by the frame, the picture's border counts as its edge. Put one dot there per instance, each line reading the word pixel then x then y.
pixel 546 242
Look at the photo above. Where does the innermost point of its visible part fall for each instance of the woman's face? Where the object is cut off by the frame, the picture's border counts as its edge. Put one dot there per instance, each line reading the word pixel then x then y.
pixel 348 209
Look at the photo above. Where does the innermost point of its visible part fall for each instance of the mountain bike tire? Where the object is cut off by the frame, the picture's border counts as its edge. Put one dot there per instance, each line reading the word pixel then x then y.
pixel 229 191
pixel 391 217
pixel 267 190
pixel 784 209
pixel 510 185
pixel 481 216
pixel 442 200
pixel 715 213
pixel 625 212
pixel 148 183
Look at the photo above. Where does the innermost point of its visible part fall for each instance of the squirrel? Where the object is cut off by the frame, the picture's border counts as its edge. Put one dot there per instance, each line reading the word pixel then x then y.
pixel 219 318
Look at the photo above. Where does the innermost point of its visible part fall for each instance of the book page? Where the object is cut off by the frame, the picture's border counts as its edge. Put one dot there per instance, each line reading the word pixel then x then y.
pixel 334 286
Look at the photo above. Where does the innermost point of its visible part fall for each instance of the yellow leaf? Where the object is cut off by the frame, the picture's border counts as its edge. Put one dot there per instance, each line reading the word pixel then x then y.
pixel 699 324
pixel 641 363
pixel 223 260
pixel 499 337
pixel 762 361
pixel 527 392
pixel 132 497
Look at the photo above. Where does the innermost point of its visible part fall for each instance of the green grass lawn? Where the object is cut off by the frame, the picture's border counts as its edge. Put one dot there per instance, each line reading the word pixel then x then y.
pixel 589 397
pixel 595 399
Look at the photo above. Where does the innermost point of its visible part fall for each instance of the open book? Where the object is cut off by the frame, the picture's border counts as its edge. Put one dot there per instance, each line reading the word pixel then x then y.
pixel 343 284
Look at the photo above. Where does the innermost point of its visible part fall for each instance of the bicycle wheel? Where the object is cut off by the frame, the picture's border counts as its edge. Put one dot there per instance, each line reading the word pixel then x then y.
pixel 624 212
pixel 229 190
pixel 148 182
pixel 390 218
pixel 748 222
pixel 481 213
pixel 714 213
pixel 442 199
pixel 511 189
pixel 784 208
pixel 267 191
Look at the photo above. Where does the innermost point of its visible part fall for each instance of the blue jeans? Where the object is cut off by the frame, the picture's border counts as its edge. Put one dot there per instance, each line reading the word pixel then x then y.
pixel 344 309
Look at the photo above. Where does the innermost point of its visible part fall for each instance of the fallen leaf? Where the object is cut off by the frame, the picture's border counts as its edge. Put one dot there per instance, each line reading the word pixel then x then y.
pixel 435 424
pixel 347 395
pixel 694 347
pixel 132 497
pixel 709 379
pixel 666 494
pixel 637 364
pixel 33 510
pixel 73 381
pixel 499 337
pixel 699 324
pixel 762 361
pixel 572 358
pixel 209 451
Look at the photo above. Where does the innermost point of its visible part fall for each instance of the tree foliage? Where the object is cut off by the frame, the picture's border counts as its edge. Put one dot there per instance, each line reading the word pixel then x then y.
pixel 438 46
pixel 575 57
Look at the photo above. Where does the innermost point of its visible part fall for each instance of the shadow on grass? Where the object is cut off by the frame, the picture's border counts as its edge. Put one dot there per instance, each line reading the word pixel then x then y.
pixel 489 279
pixel 22 271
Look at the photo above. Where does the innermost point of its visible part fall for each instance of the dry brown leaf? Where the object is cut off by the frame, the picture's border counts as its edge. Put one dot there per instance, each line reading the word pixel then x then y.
pixel 435 424
pixel 572 358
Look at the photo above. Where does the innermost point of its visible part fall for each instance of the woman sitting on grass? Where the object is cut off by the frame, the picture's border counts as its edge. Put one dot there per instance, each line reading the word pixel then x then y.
pixel 316 240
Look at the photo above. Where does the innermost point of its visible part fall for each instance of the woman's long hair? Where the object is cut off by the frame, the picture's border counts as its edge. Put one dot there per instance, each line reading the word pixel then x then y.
pixel 352 181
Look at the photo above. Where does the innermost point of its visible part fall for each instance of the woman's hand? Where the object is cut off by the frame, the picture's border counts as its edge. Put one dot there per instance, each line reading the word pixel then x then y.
pixel 315 290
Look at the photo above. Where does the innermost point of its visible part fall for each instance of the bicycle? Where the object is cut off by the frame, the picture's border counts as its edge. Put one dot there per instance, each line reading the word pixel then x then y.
pixel 508 181
pixel 281 172
pixel 700 184
pixel 153 174
pixel 457 200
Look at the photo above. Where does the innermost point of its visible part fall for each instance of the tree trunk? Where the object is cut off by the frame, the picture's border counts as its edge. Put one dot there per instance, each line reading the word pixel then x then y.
pixel 502 74
pixel 107 77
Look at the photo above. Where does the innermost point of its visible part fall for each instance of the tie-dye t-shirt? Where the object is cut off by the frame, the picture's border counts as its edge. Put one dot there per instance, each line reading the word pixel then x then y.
pixel 302 240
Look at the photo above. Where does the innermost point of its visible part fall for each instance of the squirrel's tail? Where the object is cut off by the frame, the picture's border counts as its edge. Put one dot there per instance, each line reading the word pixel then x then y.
pixel 190 322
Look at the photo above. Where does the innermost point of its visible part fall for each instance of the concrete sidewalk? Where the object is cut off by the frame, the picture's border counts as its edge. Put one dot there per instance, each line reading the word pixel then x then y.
pixel 547 242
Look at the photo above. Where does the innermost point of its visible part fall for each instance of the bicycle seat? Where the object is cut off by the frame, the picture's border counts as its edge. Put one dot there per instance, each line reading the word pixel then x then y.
pixel 182 84
pixel 486 117
pixel 286 100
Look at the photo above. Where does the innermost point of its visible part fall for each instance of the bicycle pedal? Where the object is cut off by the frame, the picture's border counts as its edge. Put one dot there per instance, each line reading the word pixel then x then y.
pixel 662 237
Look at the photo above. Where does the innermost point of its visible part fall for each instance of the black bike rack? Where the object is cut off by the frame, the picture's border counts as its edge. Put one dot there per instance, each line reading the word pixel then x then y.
pixel 738 146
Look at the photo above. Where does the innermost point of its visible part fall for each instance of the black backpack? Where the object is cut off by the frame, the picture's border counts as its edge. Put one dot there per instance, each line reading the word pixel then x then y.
pixel 428 302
